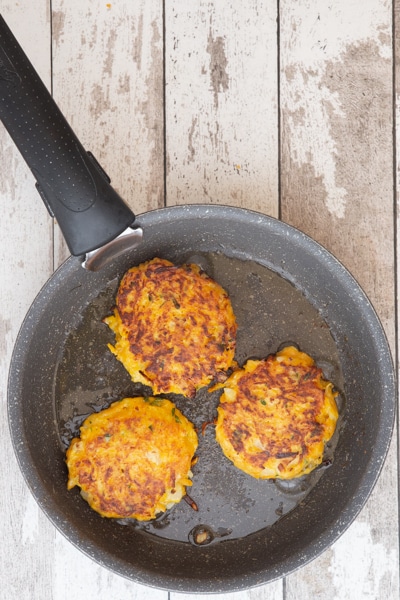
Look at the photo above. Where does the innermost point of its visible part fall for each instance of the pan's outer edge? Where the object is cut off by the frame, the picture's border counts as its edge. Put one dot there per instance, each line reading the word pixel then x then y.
pixel 239 222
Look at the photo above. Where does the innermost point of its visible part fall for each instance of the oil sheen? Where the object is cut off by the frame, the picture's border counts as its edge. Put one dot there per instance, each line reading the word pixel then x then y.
pixel 271 313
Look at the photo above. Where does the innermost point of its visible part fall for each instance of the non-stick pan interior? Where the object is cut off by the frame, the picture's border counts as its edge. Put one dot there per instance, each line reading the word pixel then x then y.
pixel 284 288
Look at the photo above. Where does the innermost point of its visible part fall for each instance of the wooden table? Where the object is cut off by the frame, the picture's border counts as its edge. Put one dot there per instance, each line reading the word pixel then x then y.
pixel 287 108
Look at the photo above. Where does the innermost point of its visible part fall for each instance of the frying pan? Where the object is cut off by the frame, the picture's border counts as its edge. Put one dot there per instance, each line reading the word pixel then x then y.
pixel 284 287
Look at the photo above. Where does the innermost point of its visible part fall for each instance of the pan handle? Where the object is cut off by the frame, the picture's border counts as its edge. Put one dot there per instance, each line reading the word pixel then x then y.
pixel 73 186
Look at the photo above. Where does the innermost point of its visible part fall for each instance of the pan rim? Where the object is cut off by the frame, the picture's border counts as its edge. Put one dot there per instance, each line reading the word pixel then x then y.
pixel 33 481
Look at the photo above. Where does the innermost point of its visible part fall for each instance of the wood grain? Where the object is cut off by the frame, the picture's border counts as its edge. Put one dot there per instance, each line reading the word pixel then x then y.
pixel 26 263
pixel 221 104
pixel 39 562
pixel 108 81
pixel 337 186
pixel 184 103
pixel 222 121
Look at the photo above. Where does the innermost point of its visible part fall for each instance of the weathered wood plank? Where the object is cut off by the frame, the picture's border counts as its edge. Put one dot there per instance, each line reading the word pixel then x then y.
pixel 271 591
pixel 76 576
pixel 39 562
pixel 108 81
pixel 26 263
pixel 221 104
pixel 222 121
pixel 222 146
pixel 337 186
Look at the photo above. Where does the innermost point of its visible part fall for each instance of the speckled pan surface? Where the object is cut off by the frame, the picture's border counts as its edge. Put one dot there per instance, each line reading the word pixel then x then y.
pixel 284 288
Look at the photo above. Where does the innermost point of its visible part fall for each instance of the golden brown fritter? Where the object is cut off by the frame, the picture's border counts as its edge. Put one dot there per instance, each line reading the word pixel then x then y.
pixel 134 458
pixel 175 328
pixel 275 416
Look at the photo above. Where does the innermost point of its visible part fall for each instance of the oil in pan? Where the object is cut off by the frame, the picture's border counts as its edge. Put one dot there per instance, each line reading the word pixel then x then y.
pixel 223 503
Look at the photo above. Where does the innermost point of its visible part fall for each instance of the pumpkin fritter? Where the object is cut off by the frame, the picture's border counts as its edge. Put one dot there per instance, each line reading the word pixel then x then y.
pixel 275 416
pixel 133 459
pixel 175 327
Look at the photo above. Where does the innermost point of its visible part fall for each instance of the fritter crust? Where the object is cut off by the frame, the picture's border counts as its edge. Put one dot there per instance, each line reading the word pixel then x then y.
pixel 175 327
pixel 134 458
pixel 275 416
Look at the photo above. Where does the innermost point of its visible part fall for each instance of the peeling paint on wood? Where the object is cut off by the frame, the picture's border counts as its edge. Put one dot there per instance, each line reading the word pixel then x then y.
pixel 337 186
pixel 319 83
pixel 221 85
pixel 183 103
pixel 336 155
pixel 218 64
pixel 117 74
pixel 25 264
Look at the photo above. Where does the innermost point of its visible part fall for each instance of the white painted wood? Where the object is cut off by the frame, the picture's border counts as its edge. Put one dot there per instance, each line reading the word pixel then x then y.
pixel 108 81
pixel 107 78
pixel 222 145
pixel 37 562
pixel 76 576
pixel 221 104
pixel 336 106
pixel 25 264
pixel 271 591
pixel 222 121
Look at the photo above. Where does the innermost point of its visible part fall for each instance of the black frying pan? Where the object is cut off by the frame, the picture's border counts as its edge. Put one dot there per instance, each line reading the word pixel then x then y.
pixel 284 288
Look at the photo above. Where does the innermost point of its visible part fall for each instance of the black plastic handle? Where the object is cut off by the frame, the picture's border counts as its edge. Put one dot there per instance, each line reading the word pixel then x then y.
pixel 70 181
